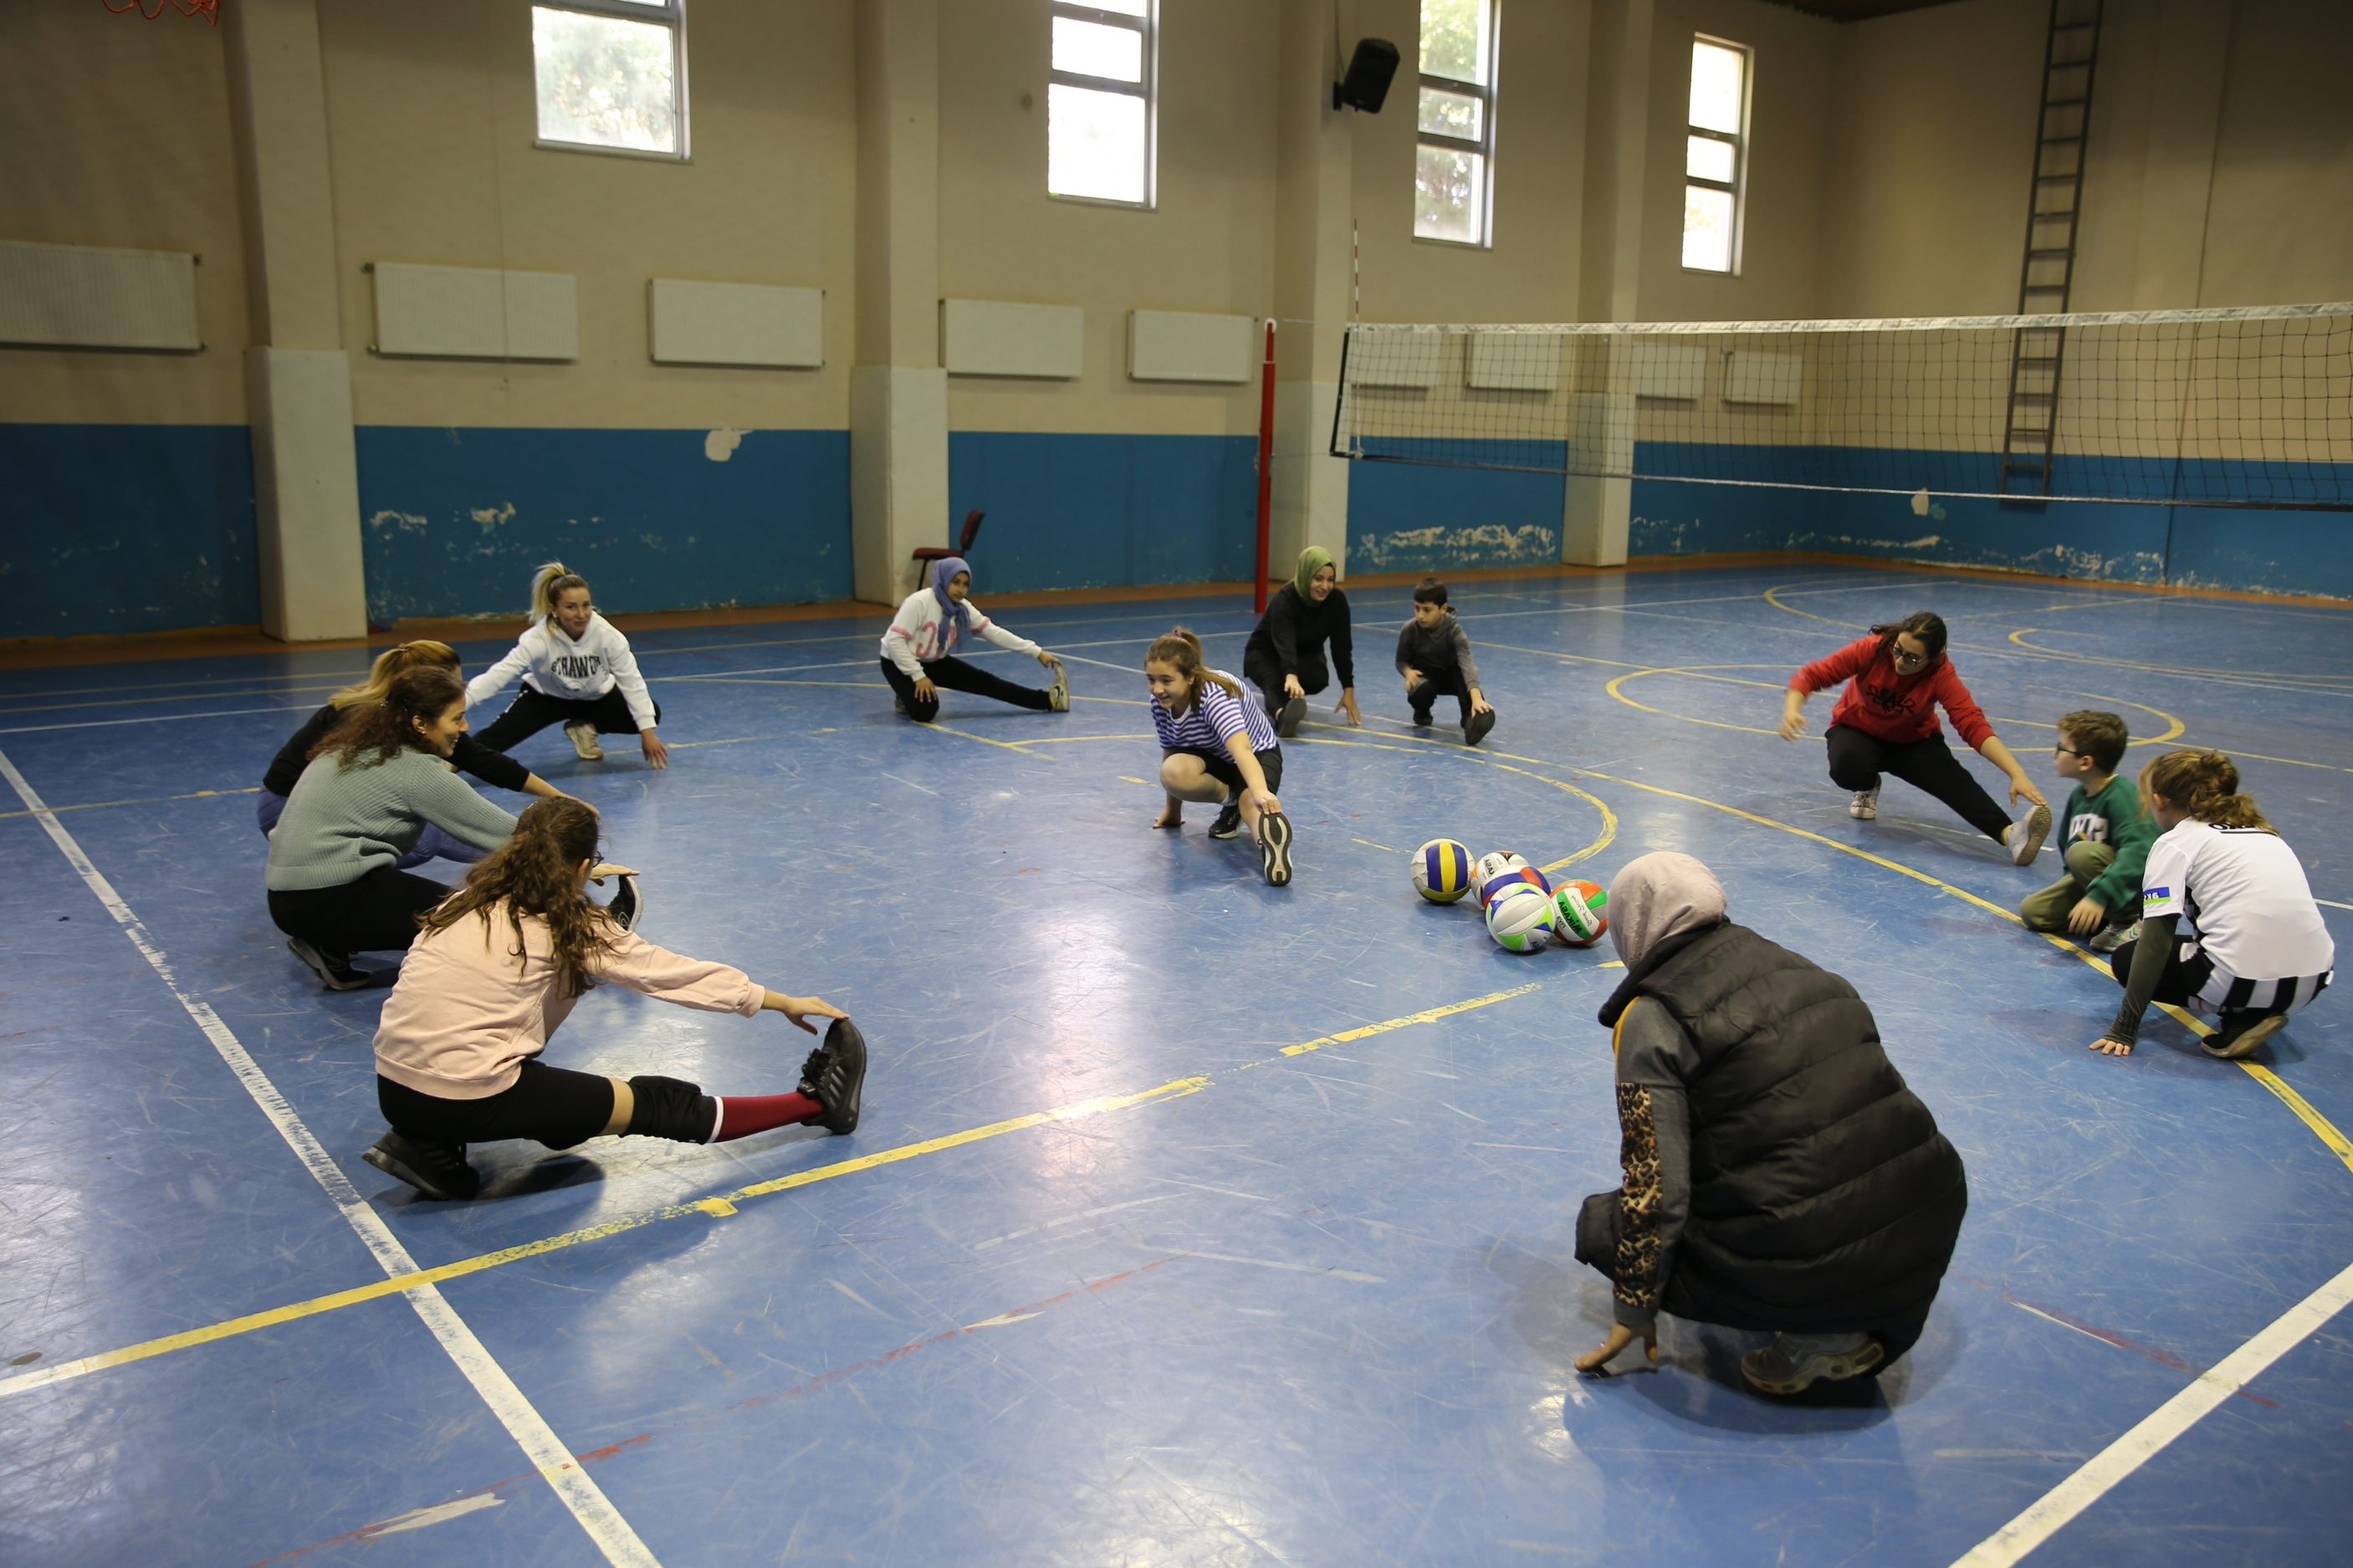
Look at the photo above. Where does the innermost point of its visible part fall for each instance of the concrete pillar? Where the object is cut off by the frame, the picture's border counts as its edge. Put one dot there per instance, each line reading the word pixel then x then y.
pixel 898 392
pixel 1597 509
pixel 1313 168
pixel 298 378
pixel 2193 54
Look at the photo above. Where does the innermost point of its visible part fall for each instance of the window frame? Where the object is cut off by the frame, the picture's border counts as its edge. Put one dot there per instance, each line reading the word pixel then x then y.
pixel 671 14
pixel 1483 147
pixel 1147 87
pixel 1737 186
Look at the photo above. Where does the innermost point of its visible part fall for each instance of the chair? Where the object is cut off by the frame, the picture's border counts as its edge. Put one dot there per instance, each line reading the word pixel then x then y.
pixel 927 553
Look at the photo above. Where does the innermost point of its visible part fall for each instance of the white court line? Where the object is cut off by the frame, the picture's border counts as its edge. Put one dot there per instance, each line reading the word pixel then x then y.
pixel 151 718
pixel 586 1500
pixel 2170 1420
pixel 2333 904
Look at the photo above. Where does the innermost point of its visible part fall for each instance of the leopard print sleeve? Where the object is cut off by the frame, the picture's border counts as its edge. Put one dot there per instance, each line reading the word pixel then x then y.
pixel 1637 1244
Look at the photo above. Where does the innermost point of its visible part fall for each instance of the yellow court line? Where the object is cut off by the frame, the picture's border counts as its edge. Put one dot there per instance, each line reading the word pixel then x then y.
pixel 717 1205
pixel 142 800
pixel 1486 759
pixel 1021 746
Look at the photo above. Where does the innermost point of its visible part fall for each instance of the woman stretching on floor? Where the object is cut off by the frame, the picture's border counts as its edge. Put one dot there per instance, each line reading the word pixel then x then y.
pixel 499 966
pixel 1216 745
pixel 1886 723
pixel 2227 917
pixel 1285 656
pixel 576 670
pixel 919 650
pixel 373 786
pixel 468 756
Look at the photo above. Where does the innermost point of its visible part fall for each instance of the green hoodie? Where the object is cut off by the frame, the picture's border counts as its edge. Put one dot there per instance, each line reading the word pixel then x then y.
pixel 2113 817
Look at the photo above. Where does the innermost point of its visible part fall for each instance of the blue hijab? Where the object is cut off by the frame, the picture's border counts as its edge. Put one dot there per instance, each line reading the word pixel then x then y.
pixel 943 570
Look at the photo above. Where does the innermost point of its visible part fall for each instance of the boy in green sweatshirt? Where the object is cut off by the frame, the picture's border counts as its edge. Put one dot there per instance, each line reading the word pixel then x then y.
pixel 2106 839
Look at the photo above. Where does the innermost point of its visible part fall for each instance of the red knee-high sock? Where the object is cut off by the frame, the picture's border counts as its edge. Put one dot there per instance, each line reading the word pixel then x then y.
pixel 740 1115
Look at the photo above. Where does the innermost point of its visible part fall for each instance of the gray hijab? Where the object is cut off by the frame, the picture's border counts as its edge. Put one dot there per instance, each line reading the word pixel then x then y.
pixel 1658 895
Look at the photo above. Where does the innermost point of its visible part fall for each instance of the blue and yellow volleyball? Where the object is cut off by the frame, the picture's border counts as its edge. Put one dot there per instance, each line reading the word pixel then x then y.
pixel 1521 919
pixel 1441 870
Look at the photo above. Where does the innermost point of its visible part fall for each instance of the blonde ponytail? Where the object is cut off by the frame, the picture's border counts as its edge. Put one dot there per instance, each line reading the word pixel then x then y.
pixel 551 582
pixel 422 654
pixel 2204 785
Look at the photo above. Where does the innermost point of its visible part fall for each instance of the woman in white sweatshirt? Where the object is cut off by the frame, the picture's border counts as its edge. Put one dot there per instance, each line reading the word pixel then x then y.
pixel 498 967
pixel 577 671
pixel 918 651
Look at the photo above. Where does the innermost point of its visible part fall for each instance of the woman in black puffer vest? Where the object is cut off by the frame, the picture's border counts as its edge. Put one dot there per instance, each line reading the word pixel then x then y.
pixel 1777 1172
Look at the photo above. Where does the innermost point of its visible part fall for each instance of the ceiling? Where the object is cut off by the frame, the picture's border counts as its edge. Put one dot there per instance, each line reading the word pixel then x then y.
pixel 1858 10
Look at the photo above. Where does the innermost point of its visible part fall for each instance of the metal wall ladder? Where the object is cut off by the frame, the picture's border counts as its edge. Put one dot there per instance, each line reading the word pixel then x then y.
pixel 2054 208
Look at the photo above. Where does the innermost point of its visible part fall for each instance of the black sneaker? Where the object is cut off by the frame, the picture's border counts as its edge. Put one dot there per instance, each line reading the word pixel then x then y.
pixel 1274 848
pixel 1287 719
pixel 834 1076
pixel 333 969
pixel 2239 1036
pixel 628 905
pixel 437 1170
pixel 1229 819
pixel 1420 719
pixel 1476 730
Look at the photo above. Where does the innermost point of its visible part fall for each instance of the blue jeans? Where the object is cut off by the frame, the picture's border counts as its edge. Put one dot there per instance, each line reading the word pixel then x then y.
pixel 432 844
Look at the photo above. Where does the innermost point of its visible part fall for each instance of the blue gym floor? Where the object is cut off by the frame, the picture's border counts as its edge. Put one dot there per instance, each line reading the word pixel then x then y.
pixel 1191 1221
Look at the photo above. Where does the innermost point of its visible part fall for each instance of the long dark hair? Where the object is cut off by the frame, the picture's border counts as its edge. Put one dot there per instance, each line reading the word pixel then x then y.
pixel 1925 624
pixel 373 733
pixel 536 872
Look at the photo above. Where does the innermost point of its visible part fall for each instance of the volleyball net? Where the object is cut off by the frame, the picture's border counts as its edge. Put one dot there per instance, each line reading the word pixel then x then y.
pixel 2248 407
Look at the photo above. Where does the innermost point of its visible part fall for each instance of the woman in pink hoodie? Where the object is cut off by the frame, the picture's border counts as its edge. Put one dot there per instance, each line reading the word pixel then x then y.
pixel 497 969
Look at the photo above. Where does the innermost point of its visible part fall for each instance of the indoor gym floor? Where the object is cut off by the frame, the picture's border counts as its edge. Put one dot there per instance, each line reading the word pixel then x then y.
pixel 1191 1221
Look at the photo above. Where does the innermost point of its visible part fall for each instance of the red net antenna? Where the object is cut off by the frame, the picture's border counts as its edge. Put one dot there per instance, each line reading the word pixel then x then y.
pixel 208 9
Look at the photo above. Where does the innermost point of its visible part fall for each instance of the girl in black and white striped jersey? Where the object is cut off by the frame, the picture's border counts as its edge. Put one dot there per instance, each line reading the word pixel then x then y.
pixel 2228 921
pixel 1216 745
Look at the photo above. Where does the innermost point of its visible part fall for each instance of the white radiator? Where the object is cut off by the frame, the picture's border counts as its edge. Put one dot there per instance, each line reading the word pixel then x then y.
pixel 1514 361
pixel 1179 346
pixel 734 323
pixel 1669 370
pixel 475 312
pixel 995 337
pixel 97 296
pixel 1753 377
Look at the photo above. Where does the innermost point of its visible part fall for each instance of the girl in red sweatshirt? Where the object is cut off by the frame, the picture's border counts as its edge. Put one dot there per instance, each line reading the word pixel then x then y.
pixel 1886 723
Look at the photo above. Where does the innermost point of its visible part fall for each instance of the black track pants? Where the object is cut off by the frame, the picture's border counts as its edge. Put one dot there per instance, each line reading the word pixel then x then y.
pixel 1857 760
pixel 956 675
pixel 532 711
pixel 375 914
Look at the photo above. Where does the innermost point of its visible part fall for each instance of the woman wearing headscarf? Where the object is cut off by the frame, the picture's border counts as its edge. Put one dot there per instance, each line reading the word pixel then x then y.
pixel 1284 658
pixel 918 651
pixel 1779 1174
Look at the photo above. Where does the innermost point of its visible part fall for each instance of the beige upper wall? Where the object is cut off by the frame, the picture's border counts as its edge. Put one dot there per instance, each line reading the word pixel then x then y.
pixel 2281 225
pixel 1207 246
pixel 118 132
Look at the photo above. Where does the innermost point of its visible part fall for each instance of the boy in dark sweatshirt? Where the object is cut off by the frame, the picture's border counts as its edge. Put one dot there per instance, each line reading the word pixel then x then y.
pixel 1434 656
pixel 2106 841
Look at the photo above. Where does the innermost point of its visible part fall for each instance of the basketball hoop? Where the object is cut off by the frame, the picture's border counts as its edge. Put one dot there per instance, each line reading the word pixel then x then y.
pixel 208 9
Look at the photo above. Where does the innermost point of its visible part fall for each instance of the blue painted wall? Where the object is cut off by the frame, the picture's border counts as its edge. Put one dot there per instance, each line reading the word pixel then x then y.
pixel 126 528
pixel 1091 511
pixel 456 519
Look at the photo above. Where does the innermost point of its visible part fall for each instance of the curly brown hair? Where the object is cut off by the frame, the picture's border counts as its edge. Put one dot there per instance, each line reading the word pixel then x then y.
pixel 373 733
pixel 537 872
pixel 2202 784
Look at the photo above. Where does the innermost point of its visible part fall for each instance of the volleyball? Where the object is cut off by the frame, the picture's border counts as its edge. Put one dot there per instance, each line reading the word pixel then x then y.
pixel 1522 918
pixel 1495 863
pixel 1495 887
pixel 1578 919
pixel 1441 870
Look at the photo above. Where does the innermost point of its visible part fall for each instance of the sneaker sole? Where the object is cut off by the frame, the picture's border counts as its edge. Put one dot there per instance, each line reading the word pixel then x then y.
pixel 393 1166
pixel 1286 723
pixel 2030 844
pixel 1820 1369
pixel 842 1035
pixel 1274 848
pixel 1476 732
pixel 628 905
pixel 2252 1036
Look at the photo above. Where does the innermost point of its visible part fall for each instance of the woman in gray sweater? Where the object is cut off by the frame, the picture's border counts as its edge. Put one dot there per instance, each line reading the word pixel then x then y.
pixel 371 786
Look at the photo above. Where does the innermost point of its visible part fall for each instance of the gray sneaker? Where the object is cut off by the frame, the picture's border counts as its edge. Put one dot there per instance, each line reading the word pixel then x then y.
pixel 1058 696
pixel 583 736
pixel 1795 1362
pixel 2107 939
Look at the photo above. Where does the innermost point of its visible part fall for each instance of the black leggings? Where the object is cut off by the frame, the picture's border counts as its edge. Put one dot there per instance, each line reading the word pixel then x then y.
pixel 375 914
pixel 554 1106
pixel 532 711
pixel 956 675
pixel 1222 766
pixel 1263 673
pixel 1435 684
pixel 1857 760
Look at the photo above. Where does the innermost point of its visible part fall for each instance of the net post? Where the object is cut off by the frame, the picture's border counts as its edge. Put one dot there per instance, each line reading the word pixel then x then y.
pixel 1265 469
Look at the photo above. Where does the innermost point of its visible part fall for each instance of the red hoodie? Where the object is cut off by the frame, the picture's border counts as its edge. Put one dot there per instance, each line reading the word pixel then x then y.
pixel 1892 706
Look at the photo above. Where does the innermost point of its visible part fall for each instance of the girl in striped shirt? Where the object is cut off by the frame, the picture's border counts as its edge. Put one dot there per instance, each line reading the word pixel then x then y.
pixel 1215 745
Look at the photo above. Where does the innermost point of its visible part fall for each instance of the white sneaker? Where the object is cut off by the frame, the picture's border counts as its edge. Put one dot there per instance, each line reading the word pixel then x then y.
pixel 1058 696
pixel 583 736
pixel 1865 804
pixel 2023 838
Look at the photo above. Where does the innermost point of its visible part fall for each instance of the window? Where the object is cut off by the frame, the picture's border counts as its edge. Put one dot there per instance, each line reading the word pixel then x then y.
pixel 1453 192
pixel 1099 103
pixel 1715 156
pixel 612 75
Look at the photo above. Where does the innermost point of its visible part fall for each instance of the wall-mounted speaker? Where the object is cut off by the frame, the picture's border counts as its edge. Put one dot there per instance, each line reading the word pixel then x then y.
pixel 1370 70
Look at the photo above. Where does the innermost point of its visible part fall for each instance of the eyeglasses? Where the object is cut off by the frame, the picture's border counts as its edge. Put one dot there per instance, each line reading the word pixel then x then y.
pixel 2070 752
pixel 1905 660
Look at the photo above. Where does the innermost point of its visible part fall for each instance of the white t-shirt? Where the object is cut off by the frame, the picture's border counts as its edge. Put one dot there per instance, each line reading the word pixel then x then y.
pixel 2243 892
